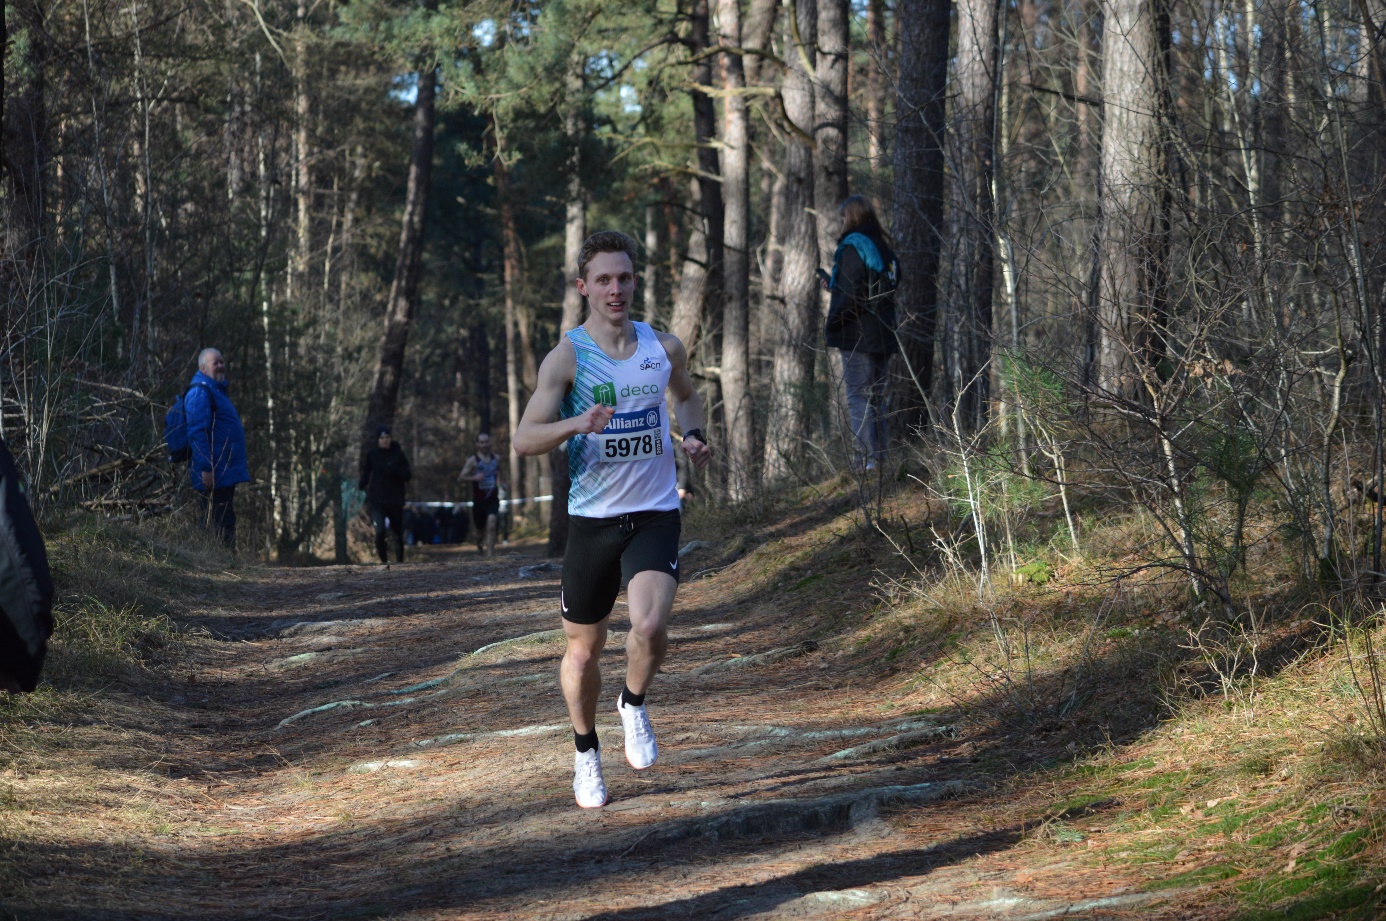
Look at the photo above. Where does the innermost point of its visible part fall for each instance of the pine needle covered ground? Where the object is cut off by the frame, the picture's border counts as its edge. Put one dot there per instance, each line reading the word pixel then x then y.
pixel 853 724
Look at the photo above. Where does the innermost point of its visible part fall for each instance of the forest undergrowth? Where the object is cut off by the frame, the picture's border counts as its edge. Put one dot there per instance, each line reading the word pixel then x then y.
pixel 1124 716
pixel 1108 711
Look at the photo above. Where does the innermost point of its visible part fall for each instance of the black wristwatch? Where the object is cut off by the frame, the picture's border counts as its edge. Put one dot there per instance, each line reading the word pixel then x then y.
pixel 695 433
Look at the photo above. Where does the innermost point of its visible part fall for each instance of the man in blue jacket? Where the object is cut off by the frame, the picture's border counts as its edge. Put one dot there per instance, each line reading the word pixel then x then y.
pixel 217 440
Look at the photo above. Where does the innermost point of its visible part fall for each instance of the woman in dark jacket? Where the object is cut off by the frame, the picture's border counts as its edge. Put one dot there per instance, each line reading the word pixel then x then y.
pixel 861 322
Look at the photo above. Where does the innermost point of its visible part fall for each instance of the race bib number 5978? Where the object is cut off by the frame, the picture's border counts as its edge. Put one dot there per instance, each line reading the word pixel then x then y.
pixel 632 436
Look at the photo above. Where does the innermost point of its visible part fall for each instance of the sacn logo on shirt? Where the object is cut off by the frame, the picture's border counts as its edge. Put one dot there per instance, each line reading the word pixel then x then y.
pixel 605 393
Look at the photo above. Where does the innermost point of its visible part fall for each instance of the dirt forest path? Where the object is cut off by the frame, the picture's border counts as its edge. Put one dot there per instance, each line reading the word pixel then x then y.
pixel 357 742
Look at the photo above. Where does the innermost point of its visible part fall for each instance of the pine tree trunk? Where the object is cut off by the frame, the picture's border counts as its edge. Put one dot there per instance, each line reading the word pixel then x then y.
pixel 575 217
pixel 736 265
pixel 686 320
pixel 404 289
pixel 918 208
pixel 709 169
pixel 830 125
pixel 970 213
pixel 25 125
pixel 875 83
pixel 1133 235
pixel 511 268
pixel 575 231
pixel 649 279
pixel 756 30
pixel 697 308
pixel 830 167
pixel 303 174
pixel 792 383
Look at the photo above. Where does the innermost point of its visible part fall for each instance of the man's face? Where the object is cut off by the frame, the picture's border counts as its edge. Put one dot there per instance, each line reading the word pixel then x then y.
pixel 384 440
pixel 214 366
pixel 609 285
pixel 483 444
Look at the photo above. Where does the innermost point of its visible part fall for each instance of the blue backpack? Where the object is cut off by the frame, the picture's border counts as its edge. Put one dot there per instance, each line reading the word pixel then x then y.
pixel 176 430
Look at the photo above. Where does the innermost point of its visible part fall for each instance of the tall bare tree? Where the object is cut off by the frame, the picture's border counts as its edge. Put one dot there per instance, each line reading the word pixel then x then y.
pixel 25 148
pixel 1134 221
pixel 511 269
pixel 791 386
pixel 736 261
pixel 575 216
pixel 830 122
pixel 918 205
pixel 404 288
pixel 877 50
pixel 697 303
pixel 967 344
pixel 575 231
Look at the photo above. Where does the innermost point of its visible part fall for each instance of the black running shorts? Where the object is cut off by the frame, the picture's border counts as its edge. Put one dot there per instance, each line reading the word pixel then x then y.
pixel 484 506
pixel 604 552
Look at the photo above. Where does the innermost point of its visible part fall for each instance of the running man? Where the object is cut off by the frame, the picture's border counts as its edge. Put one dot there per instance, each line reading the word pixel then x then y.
pixel 605 385
pixel 483 469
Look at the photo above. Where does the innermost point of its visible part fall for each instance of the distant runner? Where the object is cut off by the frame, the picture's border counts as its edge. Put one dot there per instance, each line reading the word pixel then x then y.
pixel 605 383
pixel 483 469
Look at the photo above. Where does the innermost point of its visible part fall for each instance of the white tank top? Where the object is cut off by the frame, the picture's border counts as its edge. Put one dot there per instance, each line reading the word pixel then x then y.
pixel 629 466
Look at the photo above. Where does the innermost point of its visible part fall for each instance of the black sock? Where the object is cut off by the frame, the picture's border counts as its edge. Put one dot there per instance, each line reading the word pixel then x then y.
pixel 585 743
pixel 630 698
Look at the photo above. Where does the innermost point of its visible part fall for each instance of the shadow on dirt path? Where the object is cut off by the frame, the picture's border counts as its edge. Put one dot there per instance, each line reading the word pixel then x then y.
pixel 364 742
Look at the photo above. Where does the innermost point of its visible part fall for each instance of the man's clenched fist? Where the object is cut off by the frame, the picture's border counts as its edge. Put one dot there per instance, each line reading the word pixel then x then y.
pixel 699 453
pixel 595 419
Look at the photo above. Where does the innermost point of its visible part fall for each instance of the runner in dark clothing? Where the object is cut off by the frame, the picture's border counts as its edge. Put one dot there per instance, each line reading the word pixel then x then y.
pixel 384 471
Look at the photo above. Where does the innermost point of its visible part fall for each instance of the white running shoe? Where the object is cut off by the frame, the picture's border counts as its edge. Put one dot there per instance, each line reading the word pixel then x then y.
pixel 641 750
pixel 588 786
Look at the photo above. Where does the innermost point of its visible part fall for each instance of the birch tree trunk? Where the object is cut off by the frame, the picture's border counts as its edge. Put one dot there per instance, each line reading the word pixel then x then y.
pixel 792 374
pixel 971 212
pixel 918 207
pixel 404 289
pixel 736 265
pixel 1133 234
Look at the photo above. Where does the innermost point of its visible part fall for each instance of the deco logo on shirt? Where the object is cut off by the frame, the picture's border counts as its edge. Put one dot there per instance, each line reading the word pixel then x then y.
pixel 630 436
pixel 604 393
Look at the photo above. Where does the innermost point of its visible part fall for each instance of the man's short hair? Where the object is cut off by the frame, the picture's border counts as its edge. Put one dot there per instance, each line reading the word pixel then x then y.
pixel 202 356
pixel 604 241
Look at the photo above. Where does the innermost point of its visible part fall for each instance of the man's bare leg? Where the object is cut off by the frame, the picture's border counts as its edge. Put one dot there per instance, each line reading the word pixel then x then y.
pixel 580 675
pixel 490 535
pixel 651 598
pixel 582 682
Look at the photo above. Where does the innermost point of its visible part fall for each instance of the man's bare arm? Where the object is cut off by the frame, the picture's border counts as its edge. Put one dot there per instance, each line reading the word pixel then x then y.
pixel 539 432
pixel 468 470
pixel 685 401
